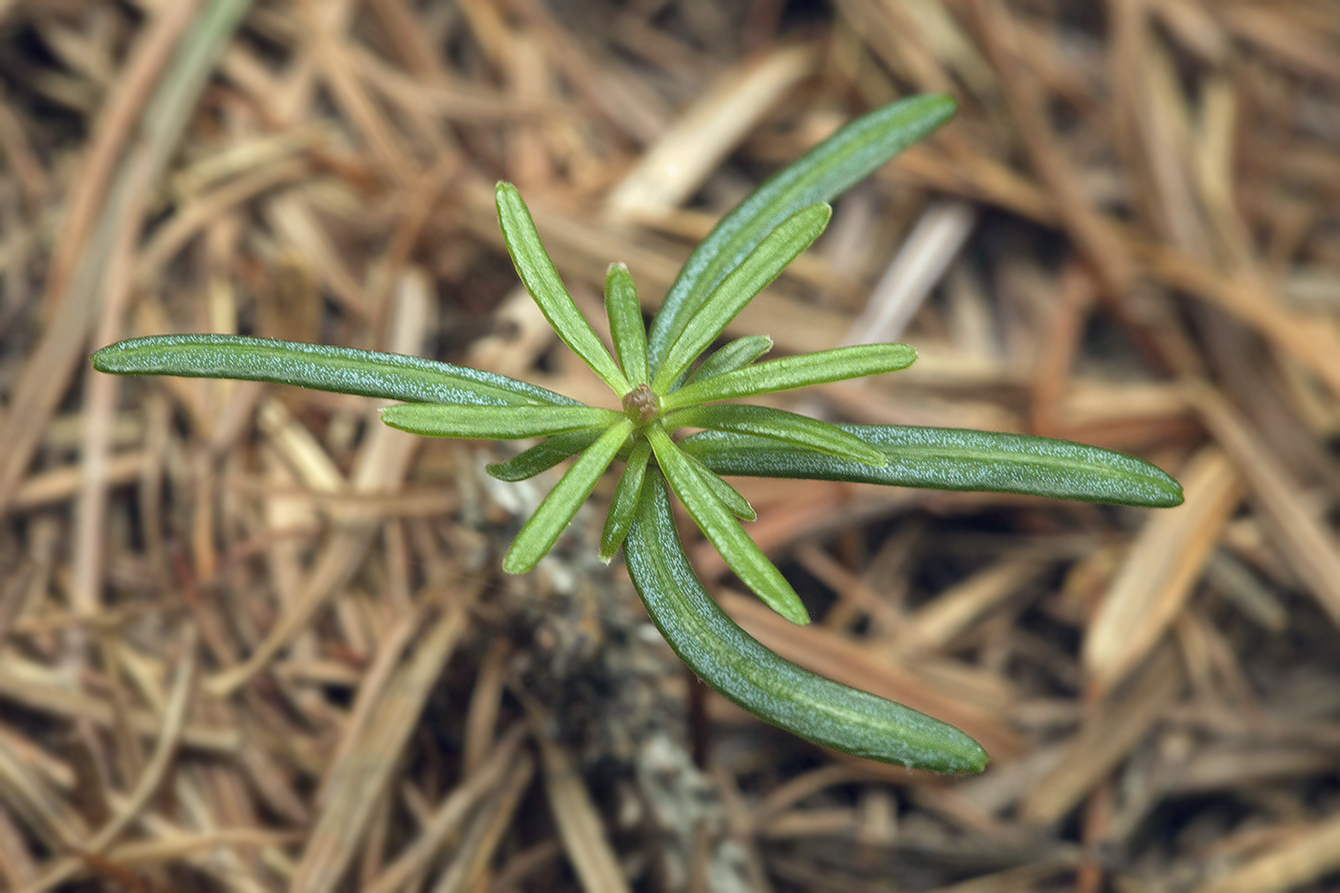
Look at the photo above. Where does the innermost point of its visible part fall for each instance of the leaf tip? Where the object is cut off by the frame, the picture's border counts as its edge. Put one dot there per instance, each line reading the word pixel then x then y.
pixel 513 563
pixel 1171 495
pixel 391 417
pixel 966 757
pixel 505 193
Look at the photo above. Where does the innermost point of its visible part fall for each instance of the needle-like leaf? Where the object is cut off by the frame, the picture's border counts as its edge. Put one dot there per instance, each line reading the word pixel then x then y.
pixel 627 329
pixel 493 422
pixel 624 504
pixel 953 459
pixel 777 424
pixel 735 355
pixel 724 532
pixel 545 455
pixel 762 682
pixel 731 500
pixel 794 372
pixel 537 272
pixel 764 264
pixel 368 373
pixel 538 534
pixel 823 173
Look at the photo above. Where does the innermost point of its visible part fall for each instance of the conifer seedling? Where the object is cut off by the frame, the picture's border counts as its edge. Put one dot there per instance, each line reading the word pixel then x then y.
pixel 665 380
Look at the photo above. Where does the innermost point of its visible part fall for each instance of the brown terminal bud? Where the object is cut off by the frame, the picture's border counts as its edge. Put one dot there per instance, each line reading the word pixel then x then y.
pixel 641 405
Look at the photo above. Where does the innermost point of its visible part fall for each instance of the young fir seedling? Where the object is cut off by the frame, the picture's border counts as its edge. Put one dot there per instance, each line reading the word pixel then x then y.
pixel 652 374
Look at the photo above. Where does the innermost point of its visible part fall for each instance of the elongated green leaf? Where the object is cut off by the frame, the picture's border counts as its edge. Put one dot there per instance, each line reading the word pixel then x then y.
pixel 762 265
pixel 537 535
pixel 627 329
pixel 624 504
pixel 735 355
pixel 494 422
pixel 339 369
pixel 772 688
pixel 953 459
pixel 822 174
pixel 724 532
pixel 794 372
pixel 731 500
pixel 776 424
pixel 545 455
pixel 537 272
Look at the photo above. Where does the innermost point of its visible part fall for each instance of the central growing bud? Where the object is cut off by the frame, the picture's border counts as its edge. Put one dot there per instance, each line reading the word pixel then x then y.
pixel 642 405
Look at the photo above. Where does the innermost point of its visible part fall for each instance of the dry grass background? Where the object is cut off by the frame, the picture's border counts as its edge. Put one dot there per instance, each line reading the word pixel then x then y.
pixel 252 640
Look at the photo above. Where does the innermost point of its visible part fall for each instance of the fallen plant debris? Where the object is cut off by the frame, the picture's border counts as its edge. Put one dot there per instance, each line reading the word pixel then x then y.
pixel 1128 238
